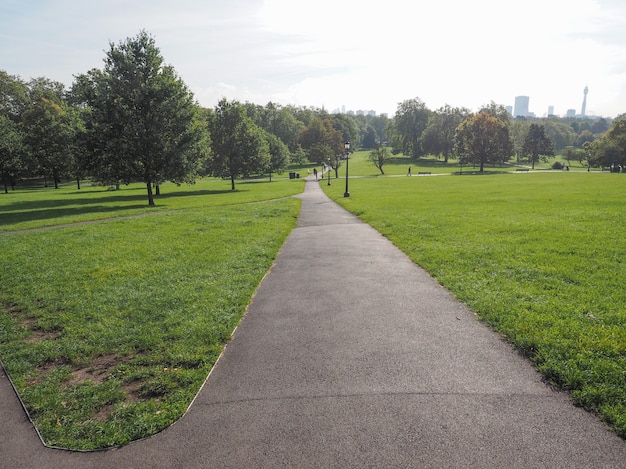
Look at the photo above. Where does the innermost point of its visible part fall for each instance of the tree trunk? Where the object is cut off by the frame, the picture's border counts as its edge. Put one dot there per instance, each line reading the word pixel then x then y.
pixel 158 189
pixel 78 183
pixel 150 198
pixel 232 182
pixel 6 186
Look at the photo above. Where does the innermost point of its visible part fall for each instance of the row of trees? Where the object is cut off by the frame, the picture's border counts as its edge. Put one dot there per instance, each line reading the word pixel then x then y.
pixel 492 136
pixel 135 120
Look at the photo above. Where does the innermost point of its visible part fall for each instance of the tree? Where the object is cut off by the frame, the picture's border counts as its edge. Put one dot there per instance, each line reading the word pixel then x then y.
pixel 321 134
pixel 498 111
pixel 347 126
pixel 10 149
pixel 561 134
pixel 610 149
pixel 281 122
pixel 50 128
pixel 537 147
pixel 482 139
pixel 370 139
pixel 239 146
pixel 144 123
pixel 584 136
pixel 408 126
pixel 438 138
pixel 13 96
pixel 518 131
pixel 573 154
pixel 379 156
pixel 279 154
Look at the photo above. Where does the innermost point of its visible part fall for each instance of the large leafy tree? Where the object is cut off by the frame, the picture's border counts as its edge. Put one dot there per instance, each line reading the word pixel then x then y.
pixel 13 101
pixel 610 149
pixel 483 139
pixel 438 138
pixel 322 141
pixel 561 134
pixel 10 151
pixel 144 122
pixel 281 122
pixel 279 154
pixel 50 127
pixel 408 127
pixel 239 146
pixel 537 146
pixel 13 96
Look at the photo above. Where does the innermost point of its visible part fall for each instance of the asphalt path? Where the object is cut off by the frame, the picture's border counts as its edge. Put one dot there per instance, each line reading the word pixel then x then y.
pixel 352 356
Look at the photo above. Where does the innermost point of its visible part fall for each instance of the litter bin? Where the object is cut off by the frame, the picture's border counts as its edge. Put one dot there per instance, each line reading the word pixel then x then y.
pixel 292 175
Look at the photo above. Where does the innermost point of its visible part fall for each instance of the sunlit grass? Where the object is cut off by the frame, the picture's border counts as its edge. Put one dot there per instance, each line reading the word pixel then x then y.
pixel 27 209
pixel 541 257
pixel 109 329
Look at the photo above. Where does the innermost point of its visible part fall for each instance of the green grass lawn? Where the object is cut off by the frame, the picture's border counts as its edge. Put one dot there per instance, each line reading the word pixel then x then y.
pixel 541 257
pixel 27 209
pixel 398 165
pixel 108 330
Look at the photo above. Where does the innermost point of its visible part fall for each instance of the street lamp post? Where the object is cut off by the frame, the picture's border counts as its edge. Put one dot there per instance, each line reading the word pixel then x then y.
pixel 347 147
pixel 329 171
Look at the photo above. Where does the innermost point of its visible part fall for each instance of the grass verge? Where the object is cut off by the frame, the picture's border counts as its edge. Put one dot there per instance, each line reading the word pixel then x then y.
pixel 540 257
pixel 109 330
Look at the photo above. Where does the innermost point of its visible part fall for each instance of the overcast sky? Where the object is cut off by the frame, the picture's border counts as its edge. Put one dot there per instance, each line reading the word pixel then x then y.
pixel 360 54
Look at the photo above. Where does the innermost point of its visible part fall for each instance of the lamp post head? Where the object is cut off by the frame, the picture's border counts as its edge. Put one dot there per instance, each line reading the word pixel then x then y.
pixel 347 146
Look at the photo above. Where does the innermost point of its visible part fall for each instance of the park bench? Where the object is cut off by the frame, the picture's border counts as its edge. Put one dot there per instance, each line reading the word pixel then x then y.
pixel 522 169
pixel 423 173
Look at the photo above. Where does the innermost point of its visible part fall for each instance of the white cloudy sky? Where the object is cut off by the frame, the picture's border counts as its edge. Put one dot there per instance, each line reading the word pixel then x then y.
pixel 360 54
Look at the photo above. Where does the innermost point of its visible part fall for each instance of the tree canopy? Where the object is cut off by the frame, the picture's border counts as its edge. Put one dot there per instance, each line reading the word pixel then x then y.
pixel 408 127
pixel 537 146
pixel 144 122
pixel 482 139
pixel 239 146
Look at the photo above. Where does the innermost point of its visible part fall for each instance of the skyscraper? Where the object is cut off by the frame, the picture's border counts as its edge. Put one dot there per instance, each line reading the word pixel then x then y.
pixel 584 109
pixel 521 106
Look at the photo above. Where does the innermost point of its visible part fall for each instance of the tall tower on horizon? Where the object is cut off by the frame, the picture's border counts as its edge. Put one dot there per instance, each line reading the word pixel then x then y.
pixel 584 109
pixel 521 106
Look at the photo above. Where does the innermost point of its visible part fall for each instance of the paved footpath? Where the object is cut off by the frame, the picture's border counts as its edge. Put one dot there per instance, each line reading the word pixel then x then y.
pixel 352 356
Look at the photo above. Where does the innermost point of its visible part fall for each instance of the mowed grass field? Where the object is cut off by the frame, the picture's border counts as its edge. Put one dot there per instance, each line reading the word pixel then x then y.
pixel 541 257
pixel 108 329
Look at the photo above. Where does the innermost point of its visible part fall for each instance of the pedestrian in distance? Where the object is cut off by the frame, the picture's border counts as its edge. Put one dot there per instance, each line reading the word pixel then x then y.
pixel 409 173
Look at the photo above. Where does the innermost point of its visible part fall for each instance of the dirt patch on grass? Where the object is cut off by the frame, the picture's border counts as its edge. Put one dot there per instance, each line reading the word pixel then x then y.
pixel 97 371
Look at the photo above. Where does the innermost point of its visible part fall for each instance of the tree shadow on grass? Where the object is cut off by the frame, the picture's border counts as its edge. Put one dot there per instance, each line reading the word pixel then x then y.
pixel 116 204
pixel 13 218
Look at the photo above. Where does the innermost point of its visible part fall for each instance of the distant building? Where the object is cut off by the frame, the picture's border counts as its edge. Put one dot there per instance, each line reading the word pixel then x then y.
pixel 521 106
pixel 371 113
pixel 550 110
pixel 570 113
pixel 584 108
pixel 509 109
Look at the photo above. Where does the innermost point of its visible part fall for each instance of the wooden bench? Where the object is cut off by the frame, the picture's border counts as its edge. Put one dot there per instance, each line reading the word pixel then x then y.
pixel 423 173
pixel 522 169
